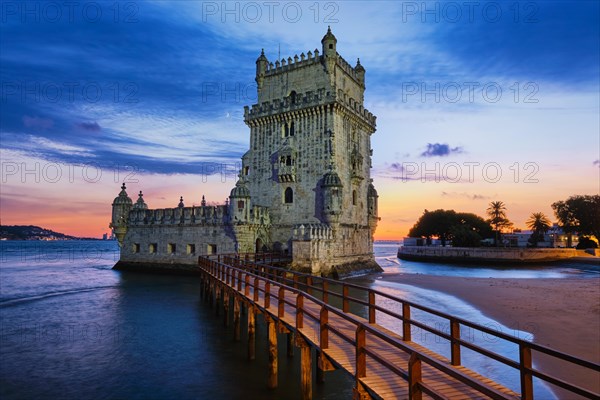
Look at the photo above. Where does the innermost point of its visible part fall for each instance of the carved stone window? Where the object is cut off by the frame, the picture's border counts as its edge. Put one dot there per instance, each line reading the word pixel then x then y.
pixel 288 196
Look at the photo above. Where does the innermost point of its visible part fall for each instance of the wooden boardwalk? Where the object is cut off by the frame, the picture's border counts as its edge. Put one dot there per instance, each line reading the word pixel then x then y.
pixel 384 364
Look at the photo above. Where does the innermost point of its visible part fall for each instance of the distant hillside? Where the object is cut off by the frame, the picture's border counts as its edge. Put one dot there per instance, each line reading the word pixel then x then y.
pixel 31 232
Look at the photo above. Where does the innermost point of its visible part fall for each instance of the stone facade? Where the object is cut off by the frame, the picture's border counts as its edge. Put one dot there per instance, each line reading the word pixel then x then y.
pixel 304 187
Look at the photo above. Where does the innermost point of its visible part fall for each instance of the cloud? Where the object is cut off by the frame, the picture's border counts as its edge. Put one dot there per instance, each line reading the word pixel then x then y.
pixel 37 122
pixel 89 126
pixel 440 150
pixel 470 196
pixel 596 162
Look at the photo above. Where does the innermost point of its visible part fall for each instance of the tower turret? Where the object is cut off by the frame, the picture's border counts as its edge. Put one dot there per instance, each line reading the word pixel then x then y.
pixel 261 69
pixel 332 197
pixel 329 43
pixel 372 205
pixel 360 72
pixel 239 201
pixel 120 214
pixel 140 204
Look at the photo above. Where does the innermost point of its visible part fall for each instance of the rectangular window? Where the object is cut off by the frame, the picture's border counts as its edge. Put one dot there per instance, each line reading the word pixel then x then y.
pixel 152 248
pixel 136 247
pixel 191 248
pixel 171 248
pixel 212 249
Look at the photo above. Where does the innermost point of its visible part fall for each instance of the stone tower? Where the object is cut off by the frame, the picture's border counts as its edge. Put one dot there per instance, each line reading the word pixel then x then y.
pixel 310 158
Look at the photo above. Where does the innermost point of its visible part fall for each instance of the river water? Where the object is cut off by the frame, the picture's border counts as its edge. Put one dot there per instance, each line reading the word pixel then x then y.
pixel 71 328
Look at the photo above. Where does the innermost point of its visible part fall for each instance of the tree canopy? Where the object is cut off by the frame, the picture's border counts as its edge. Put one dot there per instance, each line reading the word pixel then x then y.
pixel 579 213
pixel 463 229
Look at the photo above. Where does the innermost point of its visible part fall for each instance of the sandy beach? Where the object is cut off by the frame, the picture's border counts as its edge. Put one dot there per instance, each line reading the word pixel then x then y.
pixel 561 313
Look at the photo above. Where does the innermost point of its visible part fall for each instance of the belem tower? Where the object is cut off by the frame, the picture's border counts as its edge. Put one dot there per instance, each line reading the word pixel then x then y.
pixel 304 188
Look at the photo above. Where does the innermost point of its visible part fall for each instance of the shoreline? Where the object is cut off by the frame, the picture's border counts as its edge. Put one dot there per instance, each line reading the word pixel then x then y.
pixel 561 313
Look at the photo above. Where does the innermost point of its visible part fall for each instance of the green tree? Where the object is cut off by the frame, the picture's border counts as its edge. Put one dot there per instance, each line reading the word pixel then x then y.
pixel 463 236
pixel 579 213
pixel 464 229
pixel 539 224
pixel 497 213
pixel 434 223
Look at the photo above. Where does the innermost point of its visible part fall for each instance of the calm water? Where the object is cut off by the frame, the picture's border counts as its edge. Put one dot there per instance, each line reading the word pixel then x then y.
pixel 70 327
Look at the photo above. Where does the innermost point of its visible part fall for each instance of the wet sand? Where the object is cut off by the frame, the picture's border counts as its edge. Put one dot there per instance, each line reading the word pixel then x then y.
pixel 563 314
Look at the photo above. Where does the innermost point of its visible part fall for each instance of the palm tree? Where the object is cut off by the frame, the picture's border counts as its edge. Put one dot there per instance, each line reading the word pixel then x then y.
pixel 497 213
pixel 539 224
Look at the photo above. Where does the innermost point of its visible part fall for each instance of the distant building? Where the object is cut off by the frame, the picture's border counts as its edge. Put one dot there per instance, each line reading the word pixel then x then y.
pixel 304 187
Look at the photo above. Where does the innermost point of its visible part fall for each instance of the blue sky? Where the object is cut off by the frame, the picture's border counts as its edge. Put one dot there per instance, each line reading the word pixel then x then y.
pixel 161 86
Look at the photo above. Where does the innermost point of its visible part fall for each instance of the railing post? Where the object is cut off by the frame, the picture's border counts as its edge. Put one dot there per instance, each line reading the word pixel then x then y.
pixel 406 322
pixel 247 285
pixel 272 334
pixel 251 332
pixel 239 281
pixel 309 284
pixel 295 281
pixel 299 311
pixel 371 307
pixel 525 370
pixel 345 300
pixel 325 292
pixel 267 295
pixel 414 377
pixel 256 289
pixel 454 344
pixel 281 302
pixel 236 317
pixel 361 356
pixel 323 321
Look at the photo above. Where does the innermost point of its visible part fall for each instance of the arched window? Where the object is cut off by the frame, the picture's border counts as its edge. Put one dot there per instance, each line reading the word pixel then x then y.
pixel 288 196
pixel 354 197
pixel 292 128
pixel 293 97
pixel 288 161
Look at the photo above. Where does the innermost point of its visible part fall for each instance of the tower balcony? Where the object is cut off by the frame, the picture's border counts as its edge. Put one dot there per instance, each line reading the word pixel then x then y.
pixel 287 173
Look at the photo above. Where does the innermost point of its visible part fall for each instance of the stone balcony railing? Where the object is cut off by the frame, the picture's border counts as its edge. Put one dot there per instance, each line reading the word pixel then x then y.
pixel 312 232
pixel 287 173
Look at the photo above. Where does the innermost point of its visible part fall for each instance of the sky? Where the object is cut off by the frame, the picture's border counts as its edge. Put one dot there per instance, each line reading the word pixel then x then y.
pixel 475 102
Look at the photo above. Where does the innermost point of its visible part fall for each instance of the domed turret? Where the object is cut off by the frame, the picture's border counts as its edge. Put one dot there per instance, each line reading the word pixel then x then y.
pixel 372 204
pixel 122 198
pixel 140 204
pixel 261 68
pixel 331 179
pixel 240 190
pixel 239 204
pixel 360 71
pixel 120 214
pixel 329 43
pixel 332 186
